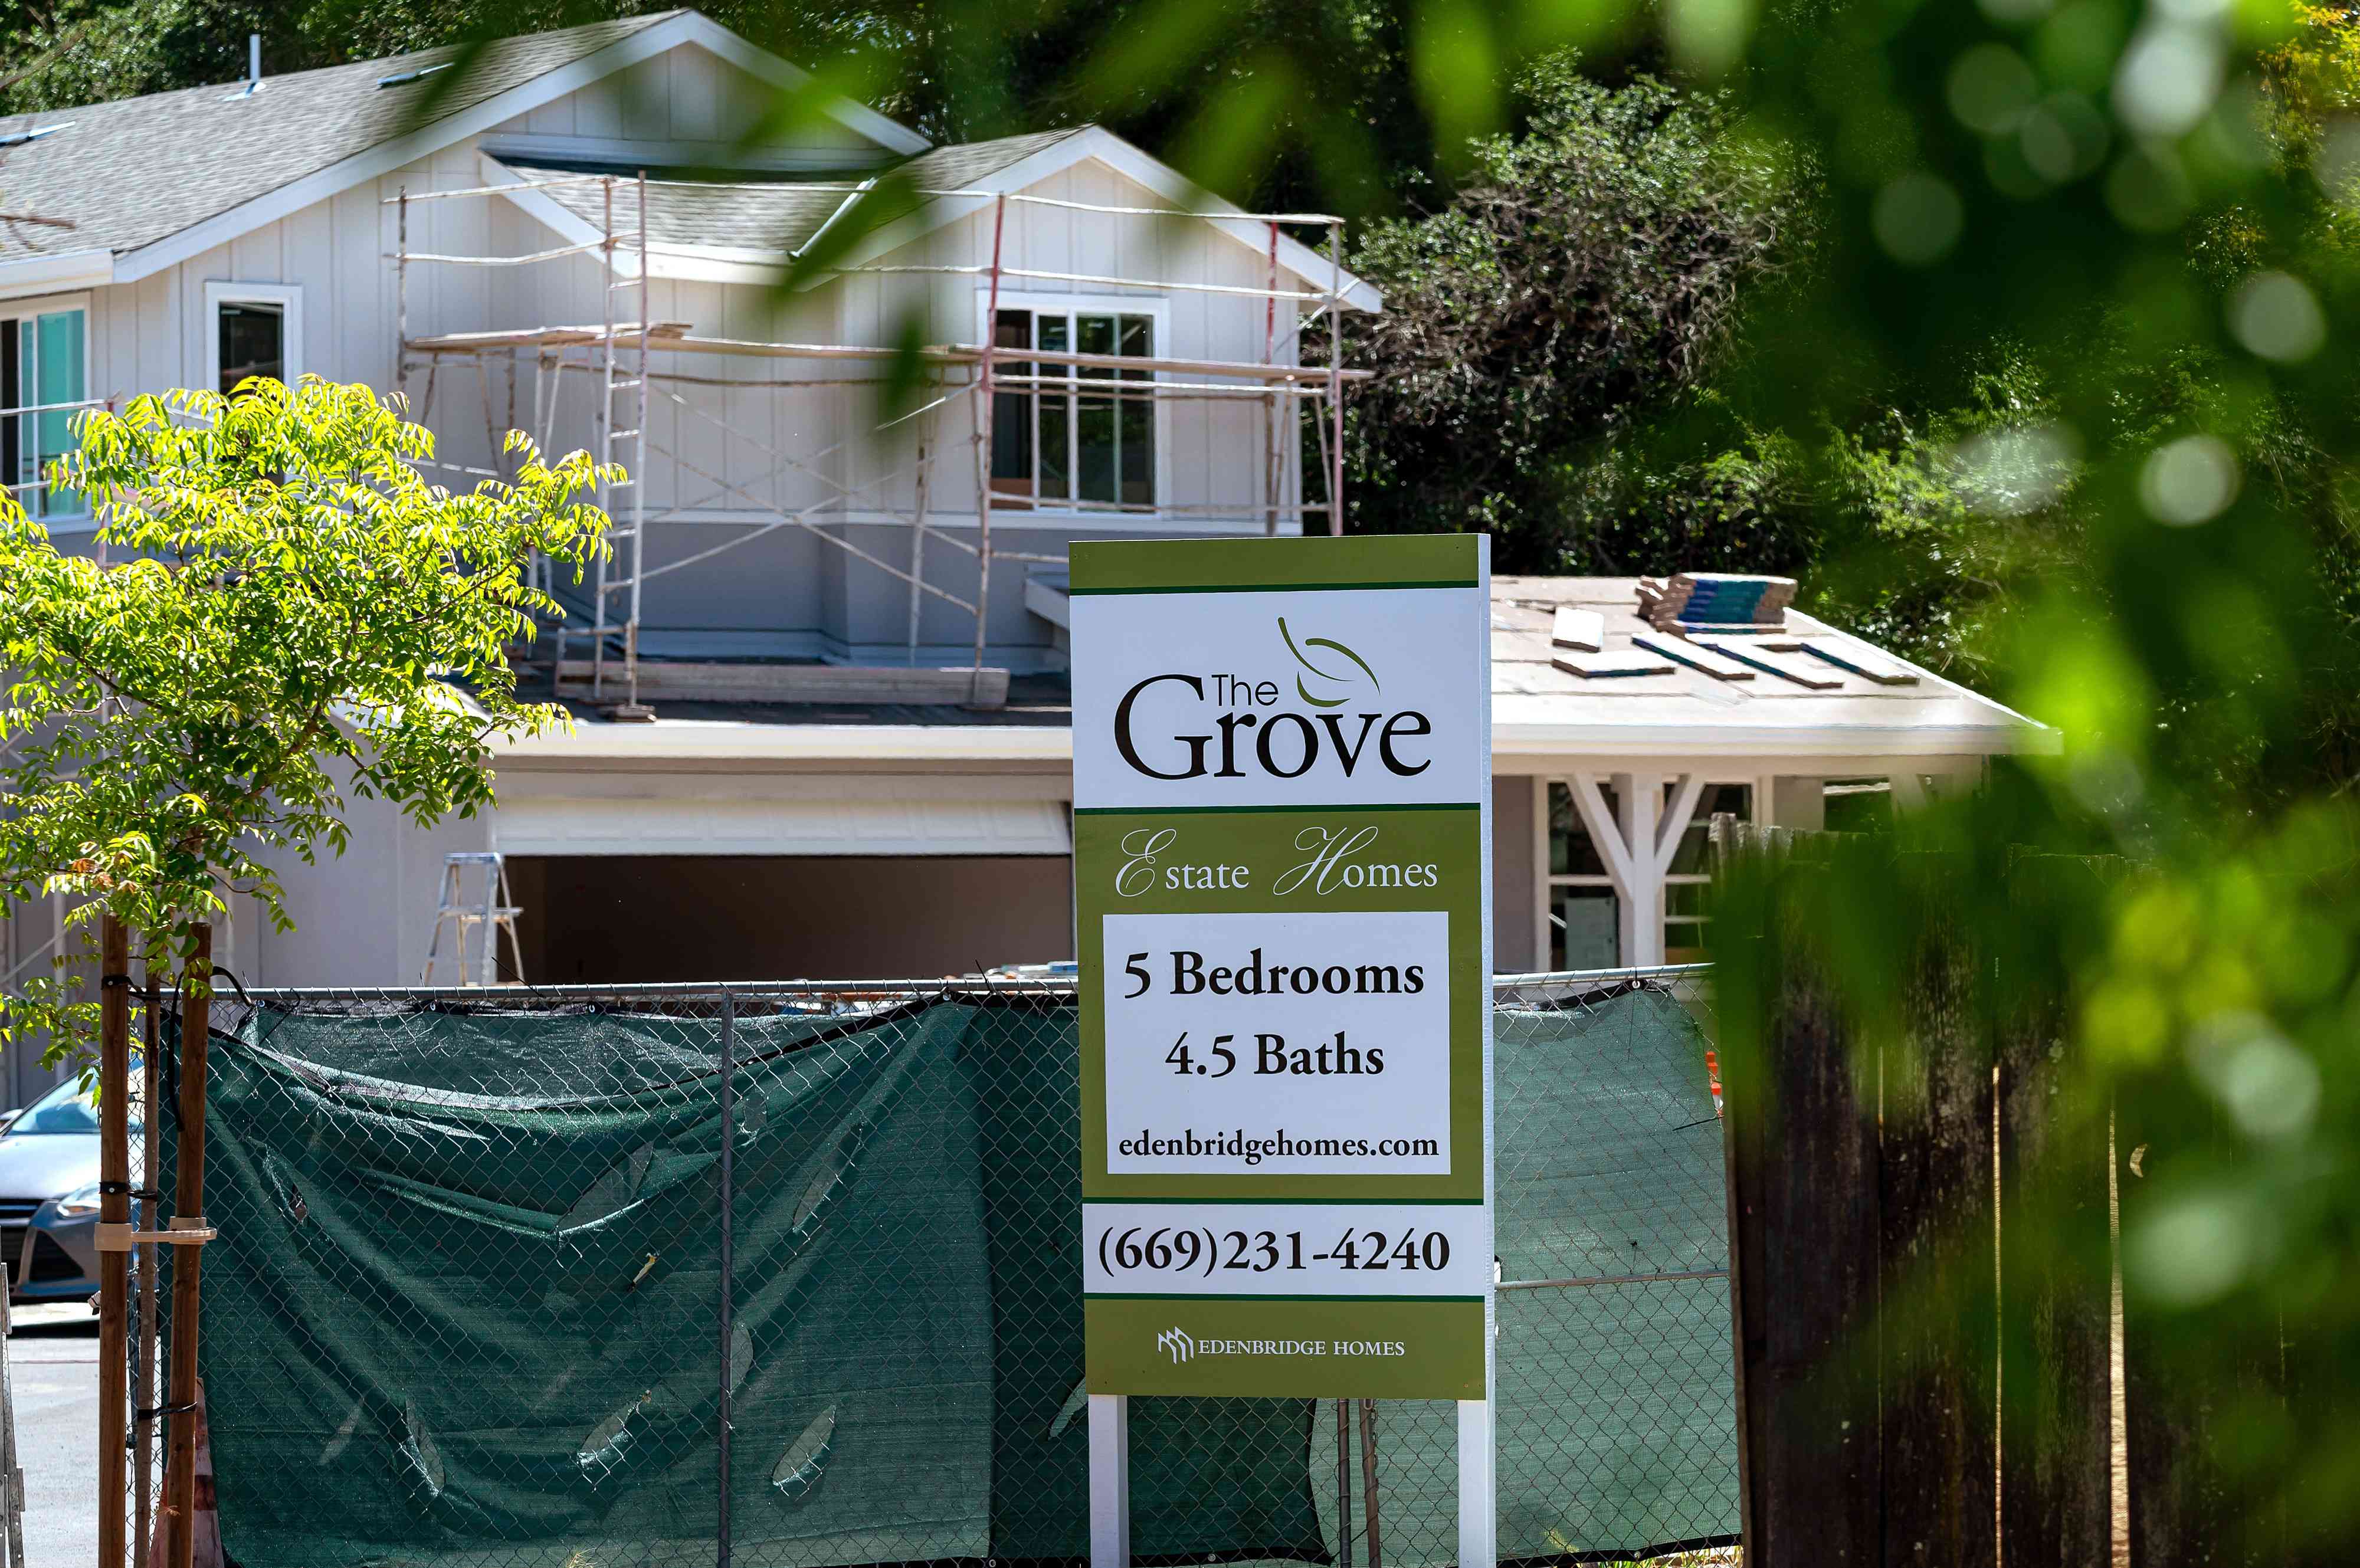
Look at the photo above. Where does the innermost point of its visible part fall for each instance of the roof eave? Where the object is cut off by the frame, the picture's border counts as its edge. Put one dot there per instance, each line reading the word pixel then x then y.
pixel 1773 742
pixel 737 741
pixel 742 741
pixel 35 274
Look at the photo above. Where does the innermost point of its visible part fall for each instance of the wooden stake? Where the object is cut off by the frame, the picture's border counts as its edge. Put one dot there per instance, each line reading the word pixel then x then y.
pixel 187 1203
pixel 152 1073
pixel 114 1208
pixel 1344 1484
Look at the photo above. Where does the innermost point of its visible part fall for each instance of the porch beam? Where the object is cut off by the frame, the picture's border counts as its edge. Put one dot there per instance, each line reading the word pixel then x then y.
pixel 1638 842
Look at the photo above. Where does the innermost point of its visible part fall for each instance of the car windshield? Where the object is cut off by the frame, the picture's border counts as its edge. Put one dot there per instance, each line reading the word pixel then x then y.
pixel 69 1108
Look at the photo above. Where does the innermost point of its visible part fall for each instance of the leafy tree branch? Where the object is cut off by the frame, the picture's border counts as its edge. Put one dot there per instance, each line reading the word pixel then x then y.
pixel 295 619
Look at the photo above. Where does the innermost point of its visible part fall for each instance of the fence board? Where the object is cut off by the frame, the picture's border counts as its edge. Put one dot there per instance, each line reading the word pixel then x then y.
pixel 2057 1495
pixel 2180 1515
pixel 2185 1511
pixel 1804 1175
pixel 1937 1326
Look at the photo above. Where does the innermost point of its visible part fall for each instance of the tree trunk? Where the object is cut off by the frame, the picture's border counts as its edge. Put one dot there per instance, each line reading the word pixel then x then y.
pixel 114 1209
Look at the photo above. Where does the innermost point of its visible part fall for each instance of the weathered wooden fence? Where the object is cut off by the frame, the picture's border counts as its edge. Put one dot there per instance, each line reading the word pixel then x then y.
pixel 1885 1419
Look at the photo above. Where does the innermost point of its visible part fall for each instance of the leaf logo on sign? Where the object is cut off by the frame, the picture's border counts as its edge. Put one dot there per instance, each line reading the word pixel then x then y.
pixel 1331 645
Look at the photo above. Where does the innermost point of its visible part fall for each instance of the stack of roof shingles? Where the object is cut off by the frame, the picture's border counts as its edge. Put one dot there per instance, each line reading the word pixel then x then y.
pixel 1715 601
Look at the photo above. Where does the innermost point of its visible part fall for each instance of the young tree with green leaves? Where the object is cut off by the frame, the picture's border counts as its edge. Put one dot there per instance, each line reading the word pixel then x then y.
pixel 283 616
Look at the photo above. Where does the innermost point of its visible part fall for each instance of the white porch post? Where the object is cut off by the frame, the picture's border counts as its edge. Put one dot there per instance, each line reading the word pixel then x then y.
pixel 1640 797
pixel 1110 1480
pixel 1637 843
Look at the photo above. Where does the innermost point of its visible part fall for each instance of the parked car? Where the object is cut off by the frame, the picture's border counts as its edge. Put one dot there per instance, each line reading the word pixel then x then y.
pixel 49 1197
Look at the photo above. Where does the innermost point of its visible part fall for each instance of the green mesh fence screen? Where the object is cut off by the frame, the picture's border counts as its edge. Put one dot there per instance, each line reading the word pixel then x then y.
pixel 496 1270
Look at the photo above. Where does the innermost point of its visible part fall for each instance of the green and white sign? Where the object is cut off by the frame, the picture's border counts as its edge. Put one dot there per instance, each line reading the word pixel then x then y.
pixel 1282 786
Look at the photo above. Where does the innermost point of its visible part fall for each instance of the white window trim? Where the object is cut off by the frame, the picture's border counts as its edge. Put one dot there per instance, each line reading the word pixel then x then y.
pixel 1160 310
pixel 49 305
pixel 288 297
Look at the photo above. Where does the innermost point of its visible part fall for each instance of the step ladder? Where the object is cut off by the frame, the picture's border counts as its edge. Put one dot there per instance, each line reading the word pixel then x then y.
pixel 480 915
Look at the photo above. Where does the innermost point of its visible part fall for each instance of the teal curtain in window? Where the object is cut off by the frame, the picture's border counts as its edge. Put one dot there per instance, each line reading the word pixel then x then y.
pixel 49 371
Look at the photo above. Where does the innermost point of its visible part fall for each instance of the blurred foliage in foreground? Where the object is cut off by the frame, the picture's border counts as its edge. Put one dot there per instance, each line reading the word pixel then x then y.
pixel 2141 217
pixel 2026 325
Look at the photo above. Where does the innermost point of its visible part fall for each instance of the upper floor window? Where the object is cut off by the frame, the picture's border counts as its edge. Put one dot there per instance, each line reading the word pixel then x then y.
pixel 44 377
pixel 256 330
pixel 1066 435
pixel 253 343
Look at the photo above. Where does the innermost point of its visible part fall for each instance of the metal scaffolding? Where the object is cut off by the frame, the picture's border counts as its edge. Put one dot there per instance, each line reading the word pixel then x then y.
pixel 620 356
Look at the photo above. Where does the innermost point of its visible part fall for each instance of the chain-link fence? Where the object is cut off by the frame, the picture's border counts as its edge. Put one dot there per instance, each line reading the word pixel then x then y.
pixel 786 1275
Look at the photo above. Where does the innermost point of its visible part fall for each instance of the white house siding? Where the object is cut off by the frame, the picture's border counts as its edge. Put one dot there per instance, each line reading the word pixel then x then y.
pixel 683 94
pixel 364 917
pixel 1514 905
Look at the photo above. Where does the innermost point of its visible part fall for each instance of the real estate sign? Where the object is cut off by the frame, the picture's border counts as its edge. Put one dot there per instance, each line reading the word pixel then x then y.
pixel 1282 786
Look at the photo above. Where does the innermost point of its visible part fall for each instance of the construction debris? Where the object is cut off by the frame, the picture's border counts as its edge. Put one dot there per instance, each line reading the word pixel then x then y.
pixel 1597 666
pixel 1581 630
pixel 1694 655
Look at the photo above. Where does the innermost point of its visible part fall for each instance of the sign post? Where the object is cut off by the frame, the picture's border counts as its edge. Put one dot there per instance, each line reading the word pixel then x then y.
pixel 1281 864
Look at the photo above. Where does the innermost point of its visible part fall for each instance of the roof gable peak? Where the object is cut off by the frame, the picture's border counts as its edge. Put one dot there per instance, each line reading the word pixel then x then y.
pixel 144 179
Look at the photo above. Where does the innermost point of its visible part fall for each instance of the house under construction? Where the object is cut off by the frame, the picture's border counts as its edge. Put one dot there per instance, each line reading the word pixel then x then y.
pixel 837 584
pixel 1042 337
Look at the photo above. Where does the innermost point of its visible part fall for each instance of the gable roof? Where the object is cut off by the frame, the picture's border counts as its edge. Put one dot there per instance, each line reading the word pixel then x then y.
pixel 150 180
pixel 971 164
pixel 743 232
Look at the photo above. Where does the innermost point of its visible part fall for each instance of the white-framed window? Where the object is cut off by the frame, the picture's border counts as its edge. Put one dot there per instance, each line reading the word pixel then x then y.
pixel 1582 912
pixel 253 329
pixel 1058 442
pixel 44 381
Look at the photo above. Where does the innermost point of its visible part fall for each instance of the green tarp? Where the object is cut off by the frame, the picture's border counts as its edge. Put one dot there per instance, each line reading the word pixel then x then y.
pixel 466 1304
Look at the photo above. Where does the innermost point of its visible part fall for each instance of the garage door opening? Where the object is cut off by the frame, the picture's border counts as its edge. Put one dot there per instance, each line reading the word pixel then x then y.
pixel 618 919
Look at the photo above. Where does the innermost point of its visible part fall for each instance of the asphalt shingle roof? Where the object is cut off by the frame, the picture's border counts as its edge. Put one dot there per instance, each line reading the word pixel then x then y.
pixel 739 215
pixel 133 171
pixel 773 217
pixel 1529 687
pixel 956 167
